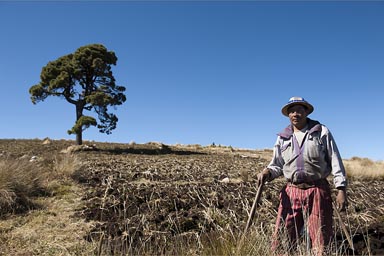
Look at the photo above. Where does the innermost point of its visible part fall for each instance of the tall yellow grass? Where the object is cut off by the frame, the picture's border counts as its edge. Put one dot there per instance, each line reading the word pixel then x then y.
pixel 364 168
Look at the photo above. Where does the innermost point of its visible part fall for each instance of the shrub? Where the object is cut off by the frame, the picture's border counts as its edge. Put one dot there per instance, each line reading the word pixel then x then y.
pixel 19 181
pixel 22 179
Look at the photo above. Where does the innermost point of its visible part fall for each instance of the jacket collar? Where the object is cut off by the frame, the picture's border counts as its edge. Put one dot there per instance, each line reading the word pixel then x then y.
pixel 313 126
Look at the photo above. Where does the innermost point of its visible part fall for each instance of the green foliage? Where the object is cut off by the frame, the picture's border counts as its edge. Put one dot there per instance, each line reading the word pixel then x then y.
pixel 84 79
pixel 82 123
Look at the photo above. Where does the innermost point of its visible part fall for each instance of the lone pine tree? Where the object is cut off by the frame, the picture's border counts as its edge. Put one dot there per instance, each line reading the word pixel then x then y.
pixel 84 79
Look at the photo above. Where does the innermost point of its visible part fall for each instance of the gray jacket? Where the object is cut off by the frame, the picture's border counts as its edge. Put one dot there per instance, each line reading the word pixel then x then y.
pixel 316 159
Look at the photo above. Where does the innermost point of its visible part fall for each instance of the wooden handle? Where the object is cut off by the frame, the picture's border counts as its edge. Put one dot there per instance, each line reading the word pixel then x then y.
pixel 254 207
pixel 343 227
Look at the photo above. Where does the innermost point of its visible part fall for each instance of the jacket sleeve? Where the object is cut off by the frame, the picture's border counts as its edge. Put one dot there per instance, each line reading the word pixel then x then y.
pixel 276 165
pixel 335 161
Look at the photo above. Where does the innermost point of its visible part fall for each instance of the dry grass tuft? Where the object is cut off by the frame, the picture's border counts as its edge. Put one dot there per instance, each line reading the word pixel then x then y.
pixel 66 166
pixel 228 242
pixel 51 228
pixel 20 180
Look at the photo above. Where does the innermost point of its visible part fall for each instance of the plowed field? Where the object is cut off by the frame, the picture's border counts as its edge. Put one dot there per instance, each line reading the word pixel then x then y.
pixel 149 194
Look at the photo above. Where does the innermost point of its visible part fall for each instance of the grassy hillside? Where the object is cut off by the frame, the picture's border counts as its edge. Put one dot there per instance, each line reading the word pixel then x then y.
pixel 112 199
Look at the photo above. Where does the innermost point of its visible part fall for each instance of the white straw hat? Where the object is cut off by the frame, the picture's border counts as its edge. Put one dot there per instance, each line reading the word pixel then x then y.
pixel 296 101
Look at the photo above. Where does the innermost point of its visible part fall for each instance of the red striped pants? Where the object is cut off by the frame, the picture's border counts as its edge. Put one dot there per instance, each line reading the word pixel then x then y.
pixel 304 209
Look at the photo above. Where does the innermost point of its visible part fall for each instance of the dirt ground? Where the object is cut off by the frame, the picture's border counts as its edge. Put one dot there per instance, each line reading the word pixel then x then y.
pixel 155 192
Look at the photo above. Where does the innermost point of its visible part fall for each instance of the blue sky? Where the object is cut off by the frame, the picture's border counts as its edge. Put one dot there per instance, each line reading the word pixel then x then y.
pixel 199 72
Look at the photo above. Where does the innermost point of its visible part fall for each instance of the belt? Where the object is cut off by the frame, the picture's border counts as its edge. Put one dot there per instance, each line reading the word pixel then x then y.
pixel 308 184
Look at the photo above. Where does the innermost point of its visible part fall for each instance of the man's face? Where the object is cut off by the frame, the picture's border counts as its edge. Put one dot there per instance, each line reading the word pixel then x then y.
pixel 298 116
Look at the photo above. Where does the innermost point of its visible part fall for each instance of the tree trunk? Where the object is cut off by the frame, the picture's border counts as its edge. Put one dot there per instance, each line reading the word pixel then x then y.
pixel 79 133
pixel 79 138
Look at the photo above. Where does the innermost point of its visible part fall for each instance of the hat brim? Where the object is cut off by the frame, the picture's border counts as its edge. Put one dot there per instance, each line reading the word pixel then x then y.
pixel 309 107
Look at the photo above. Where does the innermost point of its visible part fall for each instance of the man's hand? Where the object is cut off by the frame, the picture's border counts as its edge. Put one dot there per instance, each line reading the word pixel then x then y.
pixel 263 176
pixel 341 199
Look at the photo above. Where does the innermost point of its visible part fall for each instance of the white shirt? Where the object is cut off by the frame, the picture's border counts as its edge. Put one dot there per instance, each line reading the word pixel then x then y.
pixel 301 134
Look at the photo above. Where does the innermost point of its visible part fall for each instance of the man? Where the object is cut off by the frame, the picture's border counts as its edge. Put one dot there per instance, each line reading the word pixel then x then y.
pixel 306 154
